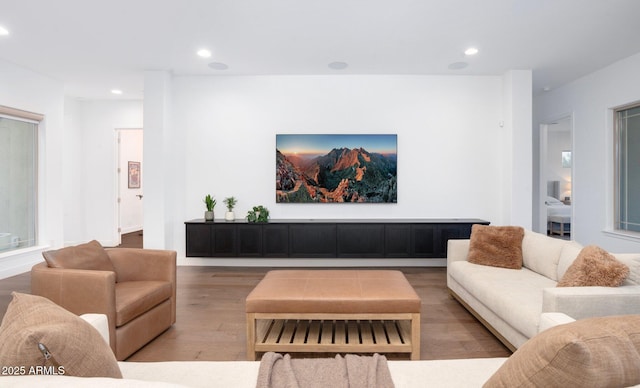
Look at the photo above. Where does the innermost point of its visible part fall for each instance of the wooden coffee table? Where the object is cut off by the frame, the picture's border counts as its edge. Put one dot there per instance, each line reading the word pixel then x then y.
pixel 333 311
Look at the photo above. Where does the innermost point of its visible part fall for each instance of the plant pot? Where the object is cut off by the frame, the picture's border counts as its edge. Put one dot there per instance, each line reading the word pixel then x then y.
pixel 229 216
pixel 208 216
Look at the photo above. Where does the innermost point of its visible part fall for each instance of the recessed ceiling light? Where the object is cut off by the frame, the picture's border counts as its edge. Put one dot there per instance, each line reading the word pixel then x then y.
pixel 471 51
pixel 204 53
pixel 3 31
pixel 458 65
pixel 218 66
pixel 116 91
pixel 338 65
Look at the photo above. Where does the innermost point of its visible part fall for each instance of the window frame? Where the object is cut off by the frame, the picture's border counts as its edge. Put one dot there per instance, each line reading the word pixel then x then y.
pixel 36 119
pixel 617 154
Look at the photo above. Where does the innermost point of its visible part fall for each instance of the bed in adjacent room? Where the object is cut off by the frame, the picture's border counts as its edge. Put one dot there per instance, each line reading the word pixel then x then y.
pixel 558 217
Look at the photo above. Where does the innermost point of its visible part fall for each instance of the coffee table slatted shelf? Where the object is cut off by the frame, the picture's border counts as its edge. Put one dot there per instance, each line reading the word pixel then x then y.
pixel 331 335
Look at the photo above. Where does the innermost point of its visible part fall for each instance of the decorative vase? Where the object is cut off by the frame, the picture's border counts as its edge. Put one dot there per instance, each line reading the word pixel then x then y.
pixel 208 216
pixel 229 216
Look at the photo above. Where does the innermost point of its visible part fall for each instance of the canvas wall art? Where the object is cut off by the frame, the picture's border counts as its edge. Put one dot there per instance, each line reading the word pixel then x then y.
pixel 336 168
pixel 134 175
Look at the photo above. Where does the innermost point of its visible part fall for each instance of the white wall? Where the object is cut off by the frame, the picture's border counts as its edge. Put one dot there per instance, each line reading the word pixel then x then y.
pixel 516 167
pixel 451 149
pixel 91 156
pixel 217 135
pixel 164 164
pixel 443 126
pixel 75 200
pixel 590 100
pixel 23 89
pixel 77 161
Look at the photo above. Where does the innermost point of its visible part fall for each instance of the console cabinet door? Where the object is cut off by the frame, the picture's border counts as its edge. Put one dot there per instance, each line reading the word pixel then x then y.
pixel 397 240
pixel 198 240
pixel 312 240
pixel 275 240
pixel 423 240
pixel 224 240
pixel 452 232
pixel 249 240
pixel 360 240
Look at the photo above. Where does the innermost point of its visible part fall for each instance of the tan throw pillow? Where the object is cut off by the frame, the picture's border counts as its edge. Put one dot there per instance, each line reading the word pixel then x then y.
pixel 76 346
pixel 594 267
pixel 594 352
pixel 84 256
pixel 496 246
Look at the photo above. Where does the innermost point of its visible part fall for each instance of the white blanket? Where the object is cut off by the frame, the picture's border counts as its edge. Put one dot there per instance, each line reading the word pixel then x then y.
pixel 559 210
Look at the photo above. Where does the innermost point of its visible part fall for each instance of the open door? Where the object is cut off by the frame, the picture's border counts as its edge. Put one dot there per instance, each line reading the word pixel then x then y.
pixel 556 188
pixel 130 181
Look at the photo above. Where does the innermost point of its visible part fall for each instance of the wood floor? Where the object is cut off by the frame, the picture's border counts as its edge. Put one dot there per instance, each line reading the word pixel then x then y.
pixel 211 321
pixel 131 240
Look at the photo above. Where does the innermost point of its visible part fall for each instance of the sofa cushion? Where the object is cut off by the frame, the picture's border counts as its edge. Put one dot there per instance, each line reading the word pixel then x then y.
pixel 496 246
pixel 515 296
pixel 82 382
pixel 631 260
pixel 137 297
pixel 541 253
pixel 594 352
pixel 75 345
pixel 594 267
pixel 90 256
pixel 570 251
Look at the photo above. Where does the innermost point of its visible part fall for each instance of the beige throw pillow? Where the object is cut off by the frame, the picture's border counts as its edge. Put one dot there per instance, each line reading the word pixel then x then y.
pixel 496 246
pixel 594 352
pixel 75 345
pixel 594 267
pixel 90 256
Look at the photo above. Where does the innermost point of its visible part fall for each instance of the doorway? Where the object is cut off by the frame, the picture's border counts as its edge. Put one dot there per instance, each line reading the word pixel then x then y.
pixel 556 178
pixel 130 182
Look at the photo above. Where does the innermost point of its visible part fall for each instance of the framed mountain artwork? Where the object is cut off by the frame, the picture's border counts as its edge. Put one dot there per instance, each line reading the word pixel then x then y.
pixel 336 168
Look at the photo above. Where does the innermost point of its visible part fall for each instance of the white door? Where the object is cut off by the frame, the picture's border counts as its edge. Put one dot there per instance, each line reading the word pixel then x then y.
pixel 130 180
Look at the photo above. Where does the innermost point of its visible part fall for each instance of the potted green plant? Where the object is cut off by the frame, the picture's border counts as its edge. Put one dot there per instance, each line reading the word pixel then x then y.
pixel 258 214
pixel 230 202
pixel 211 204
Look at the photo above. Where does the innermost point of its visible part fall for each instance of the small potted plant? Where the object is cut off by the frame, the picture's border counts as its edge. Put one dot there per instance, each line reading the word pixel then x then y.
pixel 258 214
pixel 211 204
pixel 230 202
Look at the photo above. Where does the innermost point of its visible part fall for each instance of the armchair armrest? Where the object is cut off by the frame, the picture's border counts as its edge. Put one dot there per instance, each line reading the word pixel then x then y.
pixel 133 264
pixel 77 290
pixel 457 250
pixel 585 302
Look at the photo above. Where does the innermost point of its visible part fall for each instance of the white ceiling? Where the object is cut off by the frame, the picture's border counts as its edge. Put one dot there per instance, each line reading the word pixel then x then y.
pixel 95 46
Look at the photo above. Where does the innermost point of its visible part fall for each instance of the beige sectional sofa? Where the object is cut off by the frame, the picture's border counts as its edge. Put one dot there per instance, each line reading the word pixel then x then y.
pixel 566 353
pixel 463 373
pixel 243 374
pixel 240 374
pixel 510 302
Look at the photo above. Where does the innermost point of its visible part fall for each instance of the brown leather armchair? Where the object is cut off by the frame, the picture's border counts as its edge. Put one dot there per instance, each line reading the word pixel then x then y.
pixel 138 296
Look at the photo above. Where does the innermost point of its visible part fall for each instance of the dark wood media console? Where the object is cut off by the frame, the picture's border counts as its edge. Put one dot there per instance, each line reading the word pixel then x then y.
pixel 398 238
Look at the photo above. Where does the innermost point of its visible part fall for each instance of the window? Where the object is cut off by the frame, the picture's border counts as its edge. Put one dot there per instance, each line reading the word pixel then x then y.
pixel 18 179
pixel 627 130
